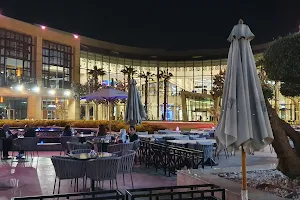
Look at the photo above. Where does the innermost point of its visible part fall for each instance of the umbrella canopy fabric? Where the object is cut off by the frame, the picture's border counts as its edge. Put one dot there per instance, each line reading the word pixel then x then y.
pixel 109 94
pixel 135 111
pixel 244 118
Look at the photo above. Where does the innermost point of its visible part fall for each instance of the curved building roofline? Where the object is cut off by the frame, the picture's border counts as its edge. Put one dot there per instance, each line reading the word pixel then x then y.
pixel 112 49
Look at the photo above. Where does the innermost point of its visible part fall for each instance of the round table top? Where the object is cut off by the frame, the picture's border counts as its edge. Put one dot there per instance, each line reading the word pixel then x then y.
pixel 86 156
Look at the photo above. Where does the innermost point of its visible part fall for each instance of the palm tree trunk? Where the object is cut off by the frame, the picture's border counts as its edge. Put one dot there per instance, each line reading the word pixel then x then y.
pixel 165 100
pixel 288 161
pixel 96 110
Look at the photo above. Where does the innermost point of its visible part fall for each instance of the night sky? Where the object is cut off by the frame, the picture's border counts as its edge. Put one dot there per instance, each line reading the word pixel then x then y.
pixel 173 25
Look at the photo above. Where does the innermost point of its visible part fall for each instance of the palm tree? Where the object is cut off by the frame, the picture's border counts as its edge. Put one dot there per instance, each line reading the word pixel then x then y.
pixel 147 76
pixel 166 77
pixel 95 73
pixel 129 71
pixel 95 85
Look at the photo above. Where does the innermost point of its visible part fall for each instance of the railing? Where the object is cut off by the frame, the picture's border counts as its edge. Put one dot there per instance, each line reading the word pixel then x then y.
pixel 103 195
pixel 169 158
pixel 196 192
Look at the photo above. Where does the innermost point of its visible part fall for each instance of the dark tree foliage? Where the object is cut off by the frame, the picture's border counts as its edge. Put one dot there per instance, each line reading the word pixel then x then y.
pixel 282 63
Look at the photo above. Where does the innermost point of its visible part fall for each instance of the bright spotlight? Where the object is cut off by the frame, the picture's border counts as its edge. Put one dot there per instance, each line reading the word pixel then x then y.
pixel 43 27
pixel 67 93
pixel 36 89
pixel 52 92
pixel 19 87
pixel 75 36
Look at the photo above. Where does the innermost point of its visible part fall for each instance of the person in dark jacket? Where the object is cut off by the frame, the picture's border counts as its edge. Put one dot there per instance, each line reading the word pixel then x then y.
pixel 29 132
pixel 102 131
pixel 132 134
pixel 67 131
pixel 6 136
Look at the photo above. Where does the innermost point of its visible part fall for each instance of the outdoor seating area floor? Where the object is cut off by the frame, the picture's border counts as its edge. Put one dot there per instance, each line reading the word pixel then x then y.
pixel 36 177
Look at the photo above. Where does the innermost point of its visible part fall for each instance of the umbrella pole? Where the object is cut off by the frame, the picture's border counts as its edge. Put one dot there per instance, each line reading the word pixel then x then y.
pixel 244 192
pixel 109 118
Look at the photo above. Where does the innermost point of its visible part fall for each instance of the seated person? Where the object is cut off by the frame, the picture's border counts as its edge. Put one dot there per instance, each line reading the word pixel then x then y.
pixel 29 132
pixel 102 131
pixel 6 136
pixel 67 131
pixel 132 135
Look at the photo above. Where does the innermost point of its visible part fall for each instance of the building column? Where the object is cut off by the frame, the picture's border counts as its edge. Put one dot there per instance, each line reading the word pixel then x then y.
pixel 39 60
pixel 34 107
pixel 73 109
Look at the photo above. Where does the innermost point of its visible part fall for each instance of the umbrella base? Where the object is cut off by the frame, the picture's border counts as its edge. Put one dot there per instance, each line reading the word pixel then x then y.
pixel 244 194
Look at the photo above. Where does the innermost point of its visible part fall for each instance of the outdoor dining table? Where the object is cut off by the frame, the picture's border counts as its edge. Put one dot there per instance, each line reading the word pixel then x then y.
pixel 86 157
pixel 82 137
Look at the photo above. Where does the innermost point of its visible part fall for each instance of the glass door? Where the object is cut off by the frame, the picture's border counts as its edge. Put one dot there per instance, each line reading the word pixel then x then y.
pixel 10 113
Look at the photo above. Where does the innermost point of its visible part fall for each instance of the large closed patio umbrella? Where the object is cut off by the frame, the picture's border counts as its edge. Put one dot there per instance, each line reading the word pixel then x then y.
pixel 109 94
pixel 135 111
pixel 244 120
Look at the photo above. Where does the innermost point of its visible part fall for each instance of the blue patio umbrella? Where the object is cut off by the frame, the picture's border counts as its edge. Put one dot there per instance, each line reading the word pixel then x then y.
pixel 109 94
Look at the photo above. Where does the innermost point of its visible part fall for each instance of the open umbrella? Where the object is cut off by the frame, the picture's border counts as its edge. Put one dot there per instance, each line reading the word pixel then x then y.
pixel 109 94
pixel 135 111
pixel 244 121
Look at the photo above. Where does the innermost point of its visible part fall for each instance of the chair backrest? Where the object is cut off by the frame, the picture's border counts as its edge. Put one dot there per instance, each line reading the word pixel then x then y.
pixel 127 160
pixel 1 145
pixel 114 148
pixel 27 143
pixel 127 146
pixel 64 139
pixel 66 168
pixel 103 168
pixel 83 146
pixel 79 151
pixel 136 144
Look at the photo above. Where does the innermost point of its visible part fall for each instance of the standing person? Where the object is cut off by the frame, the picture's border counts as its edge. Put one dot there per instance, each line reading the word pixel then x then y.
pixel 132 134
pixel 29 132
pixel 102 131
pixel 67 131
pixel 7 138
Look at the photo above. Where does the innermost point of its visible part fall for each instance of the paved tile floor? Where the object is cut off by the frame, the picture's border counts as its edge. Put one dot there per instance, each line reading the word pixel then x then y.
pixel 37 178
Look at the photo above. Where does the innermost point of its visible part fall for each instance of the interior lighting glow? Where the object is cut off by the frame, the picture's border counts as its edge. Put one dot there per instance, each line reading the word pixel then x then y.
pixel 67 93
pixel 19 87
pixel 52 92
pixel 36 89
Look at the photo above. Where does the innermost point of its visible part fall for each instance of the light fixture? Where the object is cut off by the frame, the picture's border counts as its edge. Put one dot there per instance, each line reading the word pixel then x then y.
pixel 36 89
pixel 67 93
pixel 52 92
pixel 19 87
pixel 43 27
pixel 19 72
pixel 75 36
pixel 1 99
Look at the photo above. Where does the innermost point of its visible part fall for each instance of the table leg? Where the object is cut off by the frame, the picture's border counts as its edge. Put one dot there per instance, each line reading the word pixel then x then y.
pixel 92 185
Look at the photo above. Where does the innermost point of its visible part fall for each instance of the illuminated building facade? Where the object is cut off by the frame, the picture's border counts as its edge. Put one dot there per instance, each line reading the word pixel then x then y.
pixel 38 66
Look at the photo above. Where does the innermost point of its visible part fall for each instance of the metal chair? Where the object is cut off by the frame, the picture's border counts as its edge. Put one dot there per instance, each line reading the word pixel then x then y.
pixel 127 146
pixel 1 148
pixel 126 164
pixel 114 148
pixel 28 144
pixel 66 168
pixel 78 151
pixel 63 141
pixel 75 145
pixel 103 169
